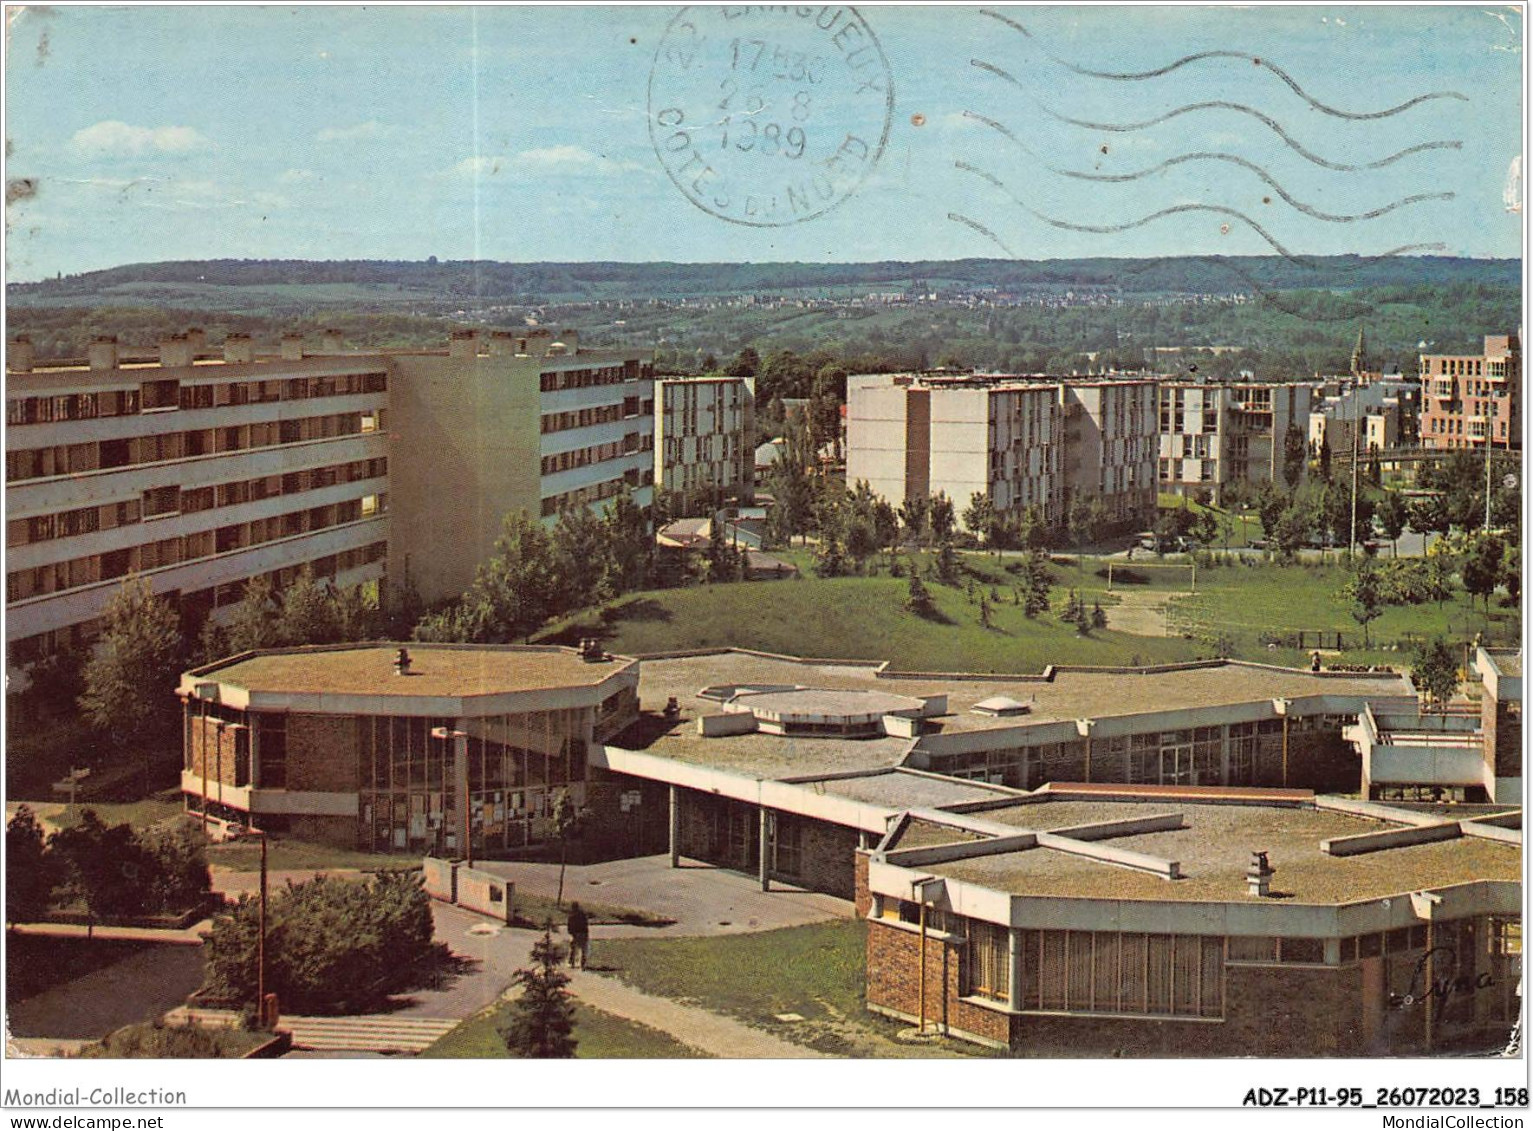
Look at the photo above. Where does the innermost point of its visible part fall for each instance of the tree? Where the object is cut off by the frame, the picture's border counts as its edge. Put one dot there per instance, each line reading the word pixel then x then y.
pixel 1292 530
pixel 1481 569
pixel 565 821
pixel 1039 582
pixel 1392 513
pixel 1511 573
pixel 915 513
pixel 979 516
pixel 943 519
pixel 825 402
pixel 542 1019
pixel 308 614
pixel 1294 450
pixel 1364 596
pixel 947 563
pixel 919 598
pixel 332 946
pixel 1429 515
pixel 1205 528
pixel 886 528
pixel 984 611
pixel 104 867
pixel 515 591
pixel 746 363
pixel 1324 454
pixel 1098 616
pixel 630 546
pixel 1434 671
pixel 29 873
pixel 132 672
pixel 253 624
pixel 580 552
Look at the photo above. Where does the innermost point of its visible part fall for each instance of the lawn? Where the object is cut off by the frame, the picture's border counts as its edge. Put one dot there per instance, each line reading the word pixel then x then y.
pixel 599 1036
pixel 816 972
pixel 534 910
pixel 285 854
pixel 865 617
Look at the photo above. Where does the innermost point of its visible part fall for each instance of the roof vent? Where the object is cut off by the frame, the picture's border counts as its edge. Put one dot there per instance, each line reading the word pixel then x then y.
pixel 402 662
pixel 1259 876
pixel 1000 707
pixel 591 650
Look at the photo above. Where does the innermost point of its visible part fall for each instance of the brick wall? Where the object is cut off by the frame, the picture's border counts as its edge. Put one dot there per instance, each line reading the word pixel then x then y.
pixel 862 898
pixel 610 832
pixel 828 859
pixel 1322 762
pixel 342 832
pixel 215 745
pixel 1268 1011
pixel 322 753
pixel 894 982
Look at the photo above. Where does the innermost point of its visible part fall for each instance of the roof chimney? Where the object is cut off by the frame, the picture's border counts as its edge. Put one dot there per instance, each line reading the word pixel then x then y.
pixel 332 341
pixel 102 353
pixel 239 347
pixel 292 347
pixel 463 343
pixel 197 337
pixel 21 356
pixel 570 337
pixel 1259 876
pixel 175 351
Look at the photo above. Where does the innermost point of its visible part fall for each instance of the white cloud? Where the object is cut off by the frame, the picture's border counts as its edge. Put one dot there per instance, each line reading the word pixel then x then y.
pixel 568 159
pixel 363 131
pixel 471 167
pixel 118 139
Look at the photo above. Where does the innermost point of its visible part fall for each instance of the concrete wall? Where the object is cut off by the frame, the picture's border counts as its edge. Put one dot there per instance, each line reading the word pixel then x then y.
pixel 463 453
pixel 486 894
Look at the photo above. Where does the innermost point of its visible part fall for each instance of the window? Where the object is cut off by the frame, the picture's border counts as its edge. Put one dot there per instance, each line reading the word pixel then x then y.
pixel 987 960
pixel 271 751
pixel 1107 972
pixel 162 501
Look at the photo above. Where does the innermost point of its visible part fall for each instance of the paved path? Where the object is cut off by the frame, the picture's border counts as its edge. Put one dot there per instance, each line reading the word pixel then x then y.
pixel 139 988
pixel 709 1032
pixel 703 899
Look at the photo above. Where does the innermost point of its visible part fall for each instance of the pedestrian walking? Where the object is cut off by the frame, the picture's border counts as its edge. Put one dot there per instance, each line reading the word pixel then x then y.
pixel 579 927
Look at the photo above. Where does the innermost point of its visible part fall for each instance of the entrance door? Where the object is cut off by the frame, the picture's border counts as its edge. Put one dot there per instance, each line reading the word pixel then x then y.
pixel 1176 764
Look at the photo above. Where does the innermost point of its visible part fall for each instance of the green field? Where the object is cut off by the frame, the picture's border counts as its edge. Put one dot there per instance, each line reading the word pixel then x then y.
pixel 865 617
pixel 599 1036
pixel 816 972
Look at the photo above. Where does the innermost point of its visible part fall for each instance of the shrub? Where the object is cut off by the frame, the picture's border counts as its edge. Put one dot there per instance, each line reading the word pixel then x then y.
pixel 332 946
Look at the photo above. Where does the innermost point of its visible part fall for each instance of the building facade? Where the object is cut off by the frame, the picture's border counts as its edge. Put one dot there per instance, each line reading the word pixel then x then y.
pixel 196 472
pixel 202 469
pixel 1469 400
pixel 1035 443
pixel 464 750
pixel 705 433
pixel 1212 436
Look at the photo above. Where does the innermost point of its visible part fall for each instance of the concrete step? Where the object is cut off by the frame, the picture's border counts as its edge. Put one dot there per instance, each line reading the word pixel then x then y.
pixel 373 1033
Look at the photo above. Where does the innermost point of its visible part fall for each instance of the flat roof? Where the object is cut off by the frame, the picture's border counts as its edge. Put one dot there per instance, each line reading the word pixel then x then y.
pixel 1214 848
pixel 452 671
pixel 1069 695
pixel 904 790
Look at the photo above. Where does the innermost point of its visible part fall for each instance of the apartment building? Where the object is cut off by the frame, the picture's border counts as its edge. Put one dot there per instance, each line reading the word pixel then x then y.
pixel 1214 435
pixel 1028 443
pixel 1381 413
pixel 202 469
pixel 1110 447
pixel 1469 399
pixel 705 430
pixel 196 471
pixel 503 422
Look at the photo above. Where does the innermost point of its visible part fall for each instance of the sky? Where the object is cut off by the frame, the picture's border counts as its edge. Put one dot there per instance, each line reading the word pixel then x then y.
pixel 523 134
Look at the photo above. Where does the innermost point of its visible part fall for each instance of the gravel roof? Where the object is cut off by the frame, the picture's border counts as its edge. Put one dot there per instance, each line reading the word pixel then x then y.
pixel 1215 848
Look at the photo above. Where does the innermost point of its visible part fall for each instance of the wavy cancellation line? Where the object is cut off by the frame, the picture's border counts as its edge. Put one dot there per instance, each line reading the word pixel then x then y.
pixel 1128 225
pixel 1256 60
pixel 1237 107
pixel 1230 158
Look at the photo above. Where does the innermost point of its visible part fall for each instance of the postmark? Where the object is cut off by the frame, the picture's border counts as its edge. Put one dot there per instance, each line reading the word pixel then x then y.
pixel 768 115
